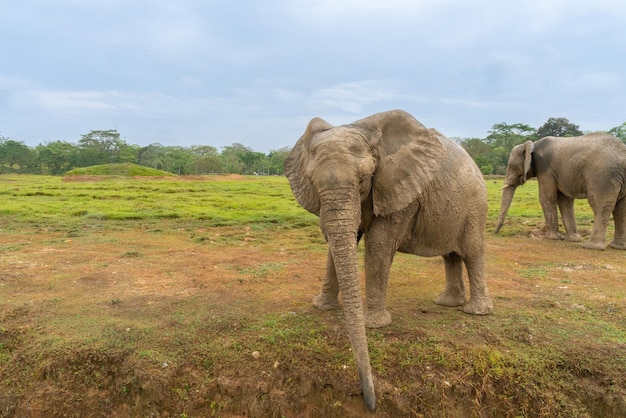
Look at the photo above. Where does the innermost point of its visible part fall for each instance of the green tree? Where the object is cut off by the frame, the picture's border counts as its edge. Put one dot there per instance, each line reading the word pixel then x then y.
pixel 481 152
pixel 57 156
pixel 151 156
pixel 17 156
pixel 100 147
pixel 129 153
pixel 231 159
pixel 502 138
pixel 619 132
pixel 206 159
pixel 558 127
pixel 177 160
pixel 276 160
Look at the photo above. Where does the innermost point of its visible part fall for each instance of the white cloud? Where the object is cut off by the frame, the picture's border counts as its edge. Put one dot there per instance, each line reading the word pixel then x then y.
pixel 353 97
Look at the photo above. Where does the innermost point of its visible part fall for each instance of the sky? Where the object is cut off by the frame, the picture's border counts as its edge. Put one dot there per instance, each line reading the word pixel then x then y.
pixel 208 72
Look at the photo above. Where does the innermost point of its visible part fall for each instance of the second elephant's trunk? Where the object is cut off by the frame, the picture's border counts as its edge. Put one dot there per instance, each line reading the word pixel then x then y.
pixel 505 203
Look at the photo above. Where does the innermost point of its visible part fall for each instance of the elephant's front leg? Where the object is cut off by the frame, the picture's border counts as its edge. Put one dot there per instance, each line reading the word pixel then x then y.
pixel 454 295
pixel 327 298
pixel 566 206
pixel 380 248
pixel 548 200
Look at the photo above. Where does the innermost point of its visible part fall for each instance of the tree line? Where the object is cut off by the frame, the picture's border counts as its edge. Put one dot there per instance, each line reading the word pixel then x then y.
pixel 106 146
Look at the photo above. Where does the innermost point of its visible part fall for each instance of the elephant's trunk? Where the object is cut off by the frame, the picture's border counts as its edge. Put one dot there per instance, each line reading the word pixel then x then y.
pixel 340 221
pixel 507 197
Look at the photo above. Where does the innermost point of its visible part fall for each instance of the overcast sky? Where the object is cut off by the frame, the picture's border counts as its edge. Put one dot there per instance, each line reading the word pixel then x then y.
pixel 204 72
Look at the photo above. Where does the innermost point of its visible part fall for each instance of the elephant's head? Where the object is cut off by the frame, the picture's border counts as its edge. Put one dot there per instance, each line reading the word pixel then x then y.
pixel 518 170
pixel 389 158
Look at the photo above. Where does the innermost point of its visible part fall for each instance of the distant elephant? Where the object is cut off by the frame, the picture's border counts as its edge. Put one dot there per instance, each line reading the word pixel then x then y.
pixel 591 166
pixel 405 188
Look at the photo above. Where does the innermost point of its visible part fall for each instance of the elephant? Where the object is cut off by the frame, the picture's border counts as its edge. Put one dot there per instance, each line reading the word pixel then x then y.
pixel 591 166
pixel 402 187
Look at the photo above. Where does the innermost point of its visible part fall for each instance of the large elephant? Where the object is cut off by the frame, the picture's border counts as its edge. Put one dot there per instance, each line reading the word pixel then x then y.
pixel 405 188
pixel 591 166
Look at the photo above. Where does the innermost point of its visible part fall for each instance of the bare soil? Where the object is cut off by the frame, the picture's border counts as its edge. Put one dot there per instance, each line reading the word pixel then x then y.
pixel 158 319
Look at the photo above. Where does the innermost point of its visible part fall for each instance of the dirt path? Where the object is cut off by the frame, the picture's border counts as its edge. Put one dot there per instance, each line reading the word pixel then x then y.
pixel 173 320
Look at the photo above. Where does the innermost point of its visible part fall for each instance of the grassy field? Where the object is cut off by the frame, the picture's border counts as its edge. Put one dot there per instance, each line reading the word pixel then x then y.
pixel 189 297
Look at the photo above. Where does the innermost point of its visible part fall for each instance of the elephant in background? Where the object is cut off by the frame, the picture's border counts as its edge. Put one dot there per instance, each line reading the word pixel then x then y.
pixel 405 188
pixel 591 166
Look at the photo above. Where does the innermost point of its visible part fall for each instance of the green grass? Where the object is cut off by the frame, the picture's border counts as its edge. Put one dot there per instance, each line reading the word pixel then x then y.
pixel 553 347
pixel 47 200
pixel 120 169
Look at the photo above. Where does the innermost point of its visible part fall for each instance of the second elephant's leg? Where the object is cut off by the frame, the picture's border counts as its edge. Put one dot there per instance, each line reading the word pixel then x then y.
pixel 602 209
pixel 454 295
pixel 327 298
pixel 548 199
pixel 566 206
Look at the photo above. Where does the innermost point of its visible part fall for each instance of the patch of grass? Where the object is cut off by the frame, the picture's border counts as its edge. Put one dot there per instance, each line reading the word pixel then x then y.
pixel 265 202
pixel 120 169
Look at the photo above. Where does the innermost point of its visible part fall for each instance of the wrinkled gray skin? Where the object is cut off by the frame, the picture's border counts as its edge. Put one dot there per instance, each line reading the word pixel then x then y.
pixel 590 166
pixel 406 188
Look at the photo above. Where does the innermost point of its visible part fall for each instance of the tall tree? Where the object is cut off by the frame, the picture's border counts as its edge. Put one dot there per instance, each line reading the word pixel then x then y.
pixel 206 159
pixel 151 156
pixel 231 157
pixel 558 127
pixel 16 155
pixel 100 147
pixel 503 137
pixel 481 153
pixel 57 156
pixel 277 159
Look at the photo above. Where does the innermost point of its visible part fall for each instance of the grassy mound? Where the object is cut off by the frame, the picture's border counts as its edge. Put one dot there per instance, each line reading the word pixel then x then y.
pixel 122 169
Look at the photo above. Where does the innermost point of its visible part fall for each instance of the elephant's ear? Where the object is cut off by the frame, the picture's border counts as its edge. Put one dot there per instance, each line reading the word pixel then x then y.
pixel 528 157
pixel 409 159
pixel 295 166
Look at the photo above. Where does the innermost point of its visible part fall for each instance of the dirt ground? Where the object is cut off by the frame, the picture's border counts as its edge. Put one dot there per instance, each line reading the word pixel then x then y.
pixel 86 295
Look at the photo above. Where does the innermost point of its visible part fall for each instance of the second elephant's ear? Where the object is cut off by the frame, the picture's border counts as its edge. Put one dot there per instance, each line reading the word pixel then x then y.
pixel 296 163
pixel 409 159
pixel 528 157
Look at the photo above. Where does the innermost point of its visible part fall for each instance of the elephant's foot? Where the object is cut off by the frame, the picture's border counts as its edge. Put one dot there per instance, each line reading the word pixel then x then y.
pixel 450 299
pixel 573 237
pixel 377 319
pixel 482 306
pixel 325 302
pixel 618 245
pixel 553 235
pixel 591 245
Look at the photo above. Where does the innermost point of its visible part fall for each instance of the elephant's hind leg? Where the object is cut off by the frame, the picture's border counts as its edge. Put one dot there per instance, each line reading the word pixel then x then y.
pixel 566 206
pixel 619 216
pixel 601 211
pixel 480 302
pixel 454 295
